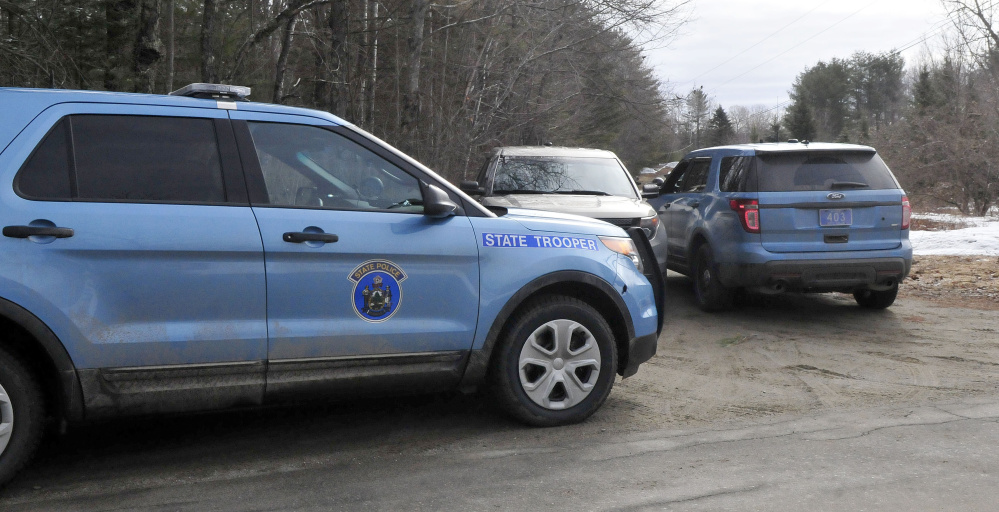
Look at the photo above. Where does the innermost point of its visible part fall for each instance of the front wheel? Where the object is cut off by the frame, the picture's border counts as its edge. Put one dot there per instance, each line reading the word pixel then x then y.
pixel 874 299
pixel 556 362
pixel 22 414
pixel 710 293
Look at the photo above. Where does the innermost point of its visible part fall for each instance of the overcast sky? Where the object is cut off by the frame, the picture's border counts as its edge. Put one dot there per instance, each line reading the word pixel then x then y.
pixel 747 52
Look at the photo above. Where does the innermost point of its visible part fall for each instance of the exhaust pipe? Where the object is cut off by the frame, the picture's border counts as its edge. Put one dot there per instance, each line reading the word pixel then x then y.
pixel 885 285
pixel 772 289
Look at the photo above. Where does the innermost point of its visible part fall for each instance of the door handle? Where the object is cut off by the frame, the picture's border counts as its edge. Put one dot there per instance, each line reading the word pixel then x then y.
pixel 26 231
pixel 297 238
pixel 695 203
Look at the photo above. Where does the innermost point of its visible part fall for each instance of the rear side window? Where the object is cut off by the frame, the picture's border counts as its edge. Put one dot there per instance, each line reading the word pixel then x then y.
pixel 839 170
pixel 735 174
pixel 126 158
pixel 46 174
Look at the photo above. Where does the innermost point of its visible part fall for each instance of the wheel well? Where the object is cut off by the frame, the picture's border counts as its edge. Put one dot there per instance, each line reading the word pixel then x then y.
pixel 599 301
pixel 695 243
pixel 22 344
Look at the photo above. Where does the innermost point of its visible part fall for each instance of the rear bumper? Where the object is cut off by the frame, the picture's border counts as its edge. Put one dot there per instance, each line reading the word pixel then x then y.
pixel 816 274
pixel 640 350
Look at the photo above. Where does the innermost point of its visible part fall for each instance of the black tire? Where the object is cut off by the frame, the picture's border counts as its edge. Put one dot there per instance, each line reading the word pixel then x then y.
pixel 709 292
pixel 874 299
pixel 541 320
pixel 26 404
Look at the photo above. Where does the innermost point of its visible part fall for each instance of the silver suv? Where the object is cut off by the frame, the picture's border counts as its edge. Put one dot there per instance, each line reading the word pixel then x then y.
pixel 589 182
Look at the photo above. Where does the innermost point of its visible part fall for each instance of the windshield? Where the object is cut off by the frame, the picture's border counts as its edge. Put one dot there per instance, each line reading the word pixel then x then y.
pixel 832 170
pixel 562 175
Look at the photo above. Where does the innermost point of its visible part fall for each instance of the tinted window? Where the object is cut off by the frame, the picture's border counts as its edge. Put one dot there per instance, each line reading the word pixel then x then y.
pixel 46 173
pixel 314 167
pixel 734 173
pixel 675 178
pixel 126 158
pixel 784 172
pixel 562 174
pixel 696 178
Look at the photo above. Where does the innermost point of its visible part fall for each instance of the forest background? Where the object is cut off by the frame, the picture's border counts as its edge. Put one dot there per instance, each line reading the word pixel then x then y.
pixel 449 80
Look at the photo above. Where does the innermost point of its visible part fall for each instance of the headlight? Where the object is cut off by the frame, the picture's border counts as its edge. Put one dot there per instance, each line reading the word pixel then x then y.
pixel 650 225
pixel 626 247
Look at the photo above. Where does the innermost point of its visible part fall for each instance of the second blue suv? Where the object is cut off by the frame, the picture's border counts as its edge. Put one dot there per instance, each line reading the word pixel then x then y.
pixel 795 216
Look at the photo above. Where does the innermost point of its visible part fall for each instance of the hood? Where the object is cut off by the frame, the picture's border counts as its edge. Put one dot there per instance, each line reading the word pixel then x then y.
pixel 598 207
pixel 537 220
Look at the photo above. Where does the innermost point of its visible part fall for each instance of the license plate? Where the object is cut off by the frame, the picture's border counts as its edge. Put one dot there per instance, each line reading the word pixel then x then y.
pixel 837 217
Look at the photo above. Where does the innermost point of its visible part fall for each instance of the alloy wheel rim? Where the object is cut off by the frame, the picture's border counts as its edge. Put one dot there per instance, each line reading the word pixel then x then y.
pixel 6 419
pixel 559 364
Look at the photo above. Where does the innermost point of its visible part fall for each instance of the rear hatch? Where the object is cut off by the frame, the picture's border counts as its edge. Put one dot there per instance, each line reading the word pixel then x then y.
pixel 828 201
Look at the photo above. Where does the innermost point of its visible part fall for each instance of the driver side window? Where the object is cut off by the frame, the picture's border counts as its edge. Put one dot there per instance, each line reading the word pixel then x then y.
pixel 311 167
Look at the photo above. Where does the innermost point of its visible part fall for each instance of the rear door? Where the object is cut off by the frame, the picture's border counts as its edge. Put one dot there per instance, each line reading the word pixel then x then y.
pixel 154 277
pixel 815 201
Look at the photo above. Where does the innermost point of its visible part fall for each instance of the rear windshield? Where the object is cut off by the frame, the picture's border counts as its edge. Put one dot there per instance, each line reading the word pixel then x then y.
pixel 562 174
pixel 840 170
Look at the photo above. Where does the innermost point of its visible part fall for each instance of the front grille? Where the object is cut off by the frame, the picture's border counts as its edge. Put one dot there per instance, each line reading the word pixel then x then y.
pixel 624 223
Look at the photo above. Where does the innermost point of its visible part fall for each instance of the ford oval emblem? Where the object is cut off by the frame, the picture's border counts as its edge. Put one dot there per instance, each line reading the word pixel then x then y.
pixel 835 195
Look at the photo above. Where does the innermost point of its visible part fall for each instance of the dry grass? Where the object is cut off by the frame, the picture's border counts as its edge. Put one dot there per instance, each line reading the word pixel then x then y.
pixel 968 281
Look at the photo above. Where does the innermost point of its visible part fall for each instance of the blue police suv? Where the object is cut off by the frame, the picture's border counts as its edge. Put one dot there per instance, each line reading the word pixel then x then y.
pixel 198 251
pixel 795 216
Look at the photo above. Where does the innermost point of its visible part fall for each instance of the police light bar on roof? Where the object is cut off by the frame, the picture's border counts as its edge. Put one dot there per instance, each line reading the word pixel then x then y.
pixel 213 91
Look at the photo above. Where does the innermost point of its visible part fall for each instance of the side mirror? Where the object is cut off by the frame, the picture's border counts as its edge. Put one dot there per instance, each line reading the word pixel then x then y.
pixel 437 204
pixel 650 190
pixel 471 187
pixel 658 181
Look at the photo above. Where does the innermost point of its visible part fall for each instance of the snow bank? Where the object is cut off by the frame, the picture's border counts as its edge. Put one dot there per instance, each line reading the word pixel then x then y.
pixel 980 237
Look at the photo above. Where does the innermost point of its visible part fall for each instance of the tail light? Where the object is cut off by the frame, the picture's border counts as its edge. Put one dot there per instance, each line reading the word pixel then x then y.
pixel 906 212
pixel 749 213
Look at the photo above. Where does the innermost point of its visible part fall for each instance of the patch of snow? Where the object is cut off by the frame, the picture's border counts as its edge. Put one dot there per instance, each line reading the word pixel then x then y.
pixel 980 237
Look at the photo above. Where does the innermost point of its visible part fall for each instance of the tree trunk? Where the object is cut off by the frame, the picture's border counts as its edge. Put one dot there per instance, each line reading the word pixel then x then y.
pixel 209 41
pixel 411 92
pixel 369 120
pixel 282 62
pixel 120 16
pixel 148 47
pixel 171 47
pixel 338 24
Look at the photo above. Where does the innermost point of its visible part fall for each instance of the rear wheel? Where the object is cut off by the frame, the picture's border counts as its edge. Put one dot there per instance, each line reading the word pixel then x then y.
pixel 22 414
pixel 875 299
pixel 710 293
pixel 556 363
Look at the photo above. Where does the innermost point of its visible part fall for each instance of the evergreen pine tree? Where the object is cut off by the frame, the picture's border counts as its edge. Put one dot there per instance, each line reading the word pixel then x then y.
pixel 720 129
pixel 798 121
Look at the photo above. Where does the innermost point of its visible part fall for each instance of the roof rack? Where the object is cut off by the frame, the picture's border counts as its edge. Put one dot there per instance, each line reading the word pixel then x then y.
pixel 213 91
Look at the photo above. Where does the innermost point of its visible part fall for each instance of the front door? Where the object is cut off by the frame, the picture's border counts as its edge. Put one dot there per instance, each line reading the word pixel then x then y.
pixel 363 290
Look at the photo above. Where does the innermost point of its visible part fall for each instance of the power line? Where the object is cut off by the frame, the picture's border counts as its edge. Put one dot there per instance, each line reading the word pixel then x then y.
pixel 758 42
pixel 785 52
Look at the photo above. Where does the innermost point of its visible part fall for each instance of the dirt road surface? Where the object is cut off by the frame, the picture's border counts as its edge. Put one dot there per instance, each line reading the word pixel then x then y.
pixel 788 402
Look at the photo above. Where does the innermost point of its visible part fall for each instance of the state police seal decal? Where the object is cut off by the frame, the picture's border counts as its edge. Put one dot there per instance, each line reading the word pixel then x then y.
pixel 377 290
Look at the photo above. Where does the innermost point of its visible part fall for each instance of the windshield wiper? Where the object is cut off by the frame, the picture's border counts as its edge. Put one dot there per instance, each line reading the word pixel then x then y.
pixel 581 192
pixel 847 184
